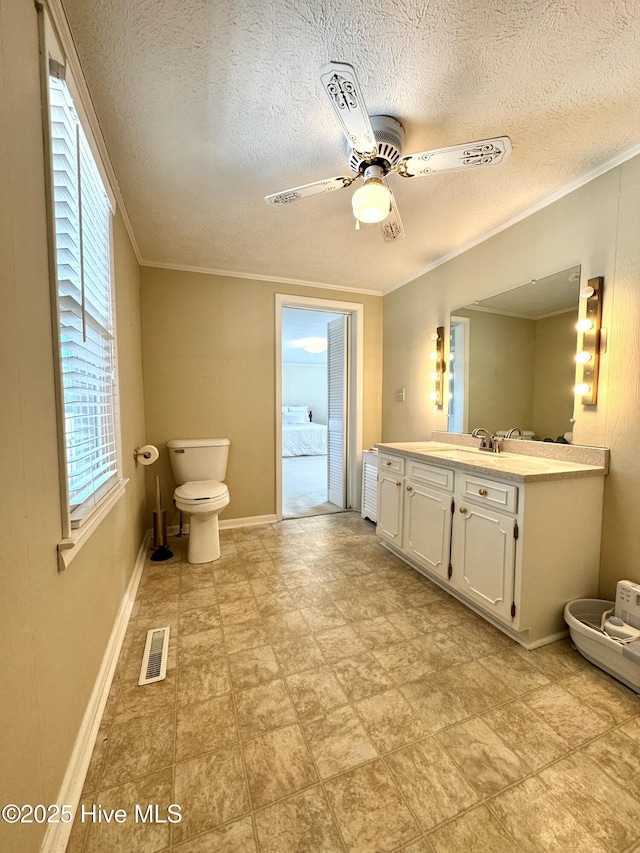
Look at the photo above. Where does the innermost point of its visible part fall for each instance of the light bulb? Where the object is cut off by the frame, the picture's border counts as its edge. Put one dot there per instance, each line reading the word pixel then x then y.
pixel 583 357
pixel 434 375
pixel 584 325
pixel 372 202
pixel 582 388
pixel 434 356
pixel 433 395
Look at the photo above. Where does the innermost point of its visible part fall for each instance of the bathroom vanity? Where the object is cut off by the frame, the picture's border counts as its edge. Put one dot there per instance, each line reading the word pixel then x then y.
pixel 512 535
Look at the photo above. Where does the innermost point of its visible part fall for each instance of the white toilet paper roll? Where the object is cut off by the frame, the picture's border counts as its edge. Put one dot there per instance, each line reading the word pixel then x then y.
pixel 147 454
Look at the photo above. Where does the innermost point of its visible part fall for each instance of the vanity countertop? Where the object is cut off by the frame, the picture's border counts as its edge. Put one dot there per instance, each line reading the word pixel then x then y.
pixel 518 466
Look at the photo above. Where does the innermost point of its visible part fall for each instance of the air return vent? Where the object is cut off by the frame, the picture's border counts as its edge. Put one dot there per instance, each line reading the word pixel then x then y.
pixel 154 659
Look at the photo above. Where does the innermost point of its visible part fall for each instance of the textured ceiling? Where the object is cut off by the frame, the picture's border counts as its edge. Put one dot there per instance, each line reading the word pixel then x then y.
pixel 206 107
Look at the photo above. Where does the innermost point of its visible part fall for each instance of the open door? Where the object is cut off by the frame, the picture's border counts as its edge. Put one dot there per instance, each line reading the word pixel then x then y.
pixel 337 342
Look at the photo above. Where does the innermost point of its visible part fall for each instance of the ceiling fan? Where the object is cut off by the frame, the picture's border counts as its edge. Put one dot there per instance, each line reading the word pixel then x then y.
pixel 376 150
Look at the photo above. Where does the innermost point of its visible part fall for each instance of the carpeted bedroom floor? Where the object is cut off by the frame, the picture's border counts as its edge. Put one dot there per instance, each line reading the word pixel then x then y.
pixel 304 487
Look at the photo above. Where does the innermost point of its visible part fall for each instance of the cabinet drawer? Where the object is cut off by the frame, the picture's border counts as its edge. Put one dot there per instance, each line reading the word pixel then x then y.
pixel 430 475
pixel 391 463
pixel 488 492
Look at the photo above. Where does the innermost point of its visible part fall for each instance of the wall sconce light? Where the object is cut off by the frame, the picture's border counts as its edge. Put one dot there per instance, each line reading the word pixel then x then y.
pixel 588 355
pixel 438 368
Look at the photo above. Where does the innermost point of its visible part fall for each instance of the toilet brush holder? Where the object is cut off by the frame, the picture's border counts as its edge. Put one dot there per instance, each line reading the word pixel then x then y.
pixel 159 528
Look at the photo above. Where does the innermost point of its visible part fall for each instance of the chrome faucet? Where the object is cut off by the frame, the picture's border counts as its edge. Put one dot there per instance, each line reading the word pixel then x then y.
pixel 486 442
pixel 513 431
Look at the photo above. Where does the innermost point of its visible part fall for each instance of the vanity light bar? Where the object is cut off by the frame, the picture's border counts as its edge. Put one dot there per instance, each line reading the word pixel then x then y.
pixel 438 367
pixel 589 346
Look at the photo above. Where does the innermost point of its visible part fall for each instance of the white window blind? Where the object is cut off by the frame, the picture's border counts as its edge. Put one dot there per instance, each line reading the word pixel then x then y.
pixel 87 345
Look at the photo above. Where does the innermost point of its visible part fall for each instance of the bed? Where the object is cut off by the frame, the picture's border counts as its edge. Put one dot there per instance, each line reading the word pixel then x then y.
pixel 300 436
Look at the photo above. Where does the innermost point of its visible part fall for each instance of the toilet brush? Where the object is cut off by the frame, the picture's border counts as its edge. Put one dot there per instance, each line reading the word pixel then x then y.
pixel 161 552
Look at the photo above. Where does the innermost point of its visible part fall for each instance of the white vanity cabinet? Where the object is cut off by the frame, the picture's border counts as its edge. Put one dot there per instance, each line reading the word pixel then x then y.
pixel 390 498
pixel 513 548
pixel 428 503
pixel 483 546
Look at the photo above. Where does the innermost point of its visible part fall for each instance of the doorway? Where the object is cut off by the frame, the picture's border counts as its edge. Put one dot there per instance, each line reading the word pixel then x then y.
pixel 318 406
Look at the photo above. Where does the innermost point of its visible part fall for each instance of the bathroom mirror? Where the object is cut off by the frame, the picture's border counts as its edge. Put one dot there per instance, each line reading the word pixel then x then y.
pixel 512 359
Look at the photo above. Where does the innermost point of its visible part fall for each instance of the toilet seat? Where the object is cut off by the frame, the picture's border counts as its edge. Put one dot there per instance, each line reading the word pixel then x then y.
pixel 201 496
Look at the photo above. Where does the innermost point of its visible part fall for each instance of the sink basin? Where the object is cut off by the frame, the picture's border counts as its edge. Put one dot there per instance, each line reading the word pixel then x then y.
pixel 500 461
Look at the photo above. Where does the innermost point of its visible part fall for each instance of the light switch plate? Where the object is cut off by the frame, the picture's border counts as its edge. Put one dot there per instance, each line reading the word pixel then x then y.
pixel 400 395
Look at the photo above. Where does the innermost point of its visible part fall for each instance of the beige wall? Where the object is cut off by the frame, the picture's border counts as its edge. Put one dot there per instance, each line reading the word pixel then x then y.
pixel 597 227
pixel 209 370
pixel 54 627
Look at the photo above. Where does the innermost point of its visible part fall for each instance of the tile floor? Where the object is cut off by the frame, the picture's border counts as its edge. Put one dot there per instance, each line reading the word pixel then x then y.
pixel 323 696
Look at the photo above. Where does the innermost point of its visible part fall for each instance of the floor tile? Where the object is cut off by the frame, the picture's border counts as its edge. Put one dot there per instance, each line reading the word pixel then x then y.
pixel 235 837
pixel 278 763
pixel 212 790
pixel 434 787
pixel 315 691
pixel 338 741
pixel 205 726
pixel 361 676
pixel 253 666
pixel 377 632
pixel 566 714
pixel 204 644
pixel 515 671
pixel 484 759
pixel 403 661
pixel 608 698
pixel 137 748
pixel 302 822
pixel 204 679
pixel 605 808
pixel 297 655
pixel 527 734
pixel 539 822
pixel 199 619
pixel 391 721
pixel 323 617
pixel 246 635
pixel 339 643
pixel 370 811
pixel 134 835
pixel 262 708
pixel 477 830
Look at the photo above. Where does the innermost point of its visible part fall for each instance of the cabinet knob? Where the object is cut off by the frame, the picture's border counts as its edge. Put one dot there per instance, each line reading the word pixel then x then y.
pixel 482 491
pixel 463 509
pixel 409 489
pixel 398 483
pixel 388 463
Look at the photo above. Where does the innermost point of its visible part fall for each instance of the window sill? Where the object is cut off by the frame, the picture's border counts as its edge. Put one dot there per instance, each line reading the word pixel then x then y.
pixel 69 548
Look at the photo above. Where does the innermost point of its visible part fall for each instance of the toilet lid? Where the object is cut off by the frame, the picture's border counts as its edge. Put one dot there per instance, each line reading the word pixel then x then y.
pixel 201 490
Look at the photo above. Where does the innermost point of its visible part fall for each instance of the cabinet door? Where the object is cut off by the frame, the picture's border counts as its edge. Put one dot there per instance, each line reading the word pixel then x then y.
pixel 427 527
pixel 389 523
pixel 483 557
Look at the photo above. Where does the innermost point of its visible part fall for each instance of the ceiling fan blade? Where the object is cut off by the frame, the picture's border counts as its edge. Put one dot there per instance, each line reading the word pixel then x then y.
pixel 392 227
pixel 316 188
pixel 343 90
pixel 484 152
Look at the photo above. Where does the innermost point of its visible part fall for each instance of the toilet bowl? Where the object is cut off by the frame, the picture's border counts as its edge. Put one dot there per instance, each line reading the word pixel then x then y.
pixel 199 467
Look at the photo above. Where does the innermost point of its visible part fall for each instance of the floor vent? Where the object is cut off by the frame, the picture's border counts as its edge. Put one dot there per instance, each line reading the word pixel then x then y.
pixel 154 659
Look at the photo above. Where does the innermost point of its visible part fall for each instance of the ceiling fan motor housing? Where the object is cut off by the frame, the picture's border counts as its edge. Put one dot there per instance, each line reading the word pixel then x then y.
pixel 389 135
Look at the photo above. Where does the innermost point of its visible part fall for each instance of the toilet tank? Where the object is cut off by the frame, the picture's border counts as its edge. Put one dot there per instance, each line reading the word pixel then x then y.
pixel 194 459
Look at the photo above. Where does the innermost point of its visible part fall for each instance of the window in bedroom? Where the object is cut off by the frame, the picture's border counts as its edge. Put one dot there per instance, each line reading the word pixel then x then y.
pixel 86 330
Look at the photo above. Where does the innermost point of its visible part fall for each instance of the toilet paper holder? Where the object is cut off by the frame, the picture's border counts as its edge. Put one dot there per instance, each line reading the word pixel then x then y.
pixel 146 454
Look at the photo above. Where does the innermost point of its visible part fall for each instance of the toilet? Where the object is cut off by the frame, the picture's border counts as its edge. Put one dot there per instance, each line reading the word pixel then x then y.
pixel 199 467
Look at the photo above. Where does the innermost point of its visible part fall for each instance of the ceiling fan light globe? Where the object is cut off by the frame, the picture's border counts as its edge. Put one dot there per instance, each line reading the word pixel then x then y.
pixel 372 201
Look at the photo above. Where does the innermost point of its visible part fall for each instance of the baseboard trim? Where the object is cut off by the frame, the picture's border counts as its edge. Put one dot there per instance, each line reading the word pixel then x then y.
pixel 57 835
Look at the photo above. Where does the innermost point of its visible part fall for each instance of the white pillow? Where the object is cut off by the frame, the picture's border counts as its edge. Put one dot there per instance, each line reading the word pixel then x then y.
pixel 304 409
pixel 294 418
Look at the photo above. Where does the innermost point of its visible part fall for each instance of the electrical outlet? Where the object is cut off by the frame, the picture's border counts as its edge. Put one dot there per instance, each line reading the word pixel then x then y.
pixel 400 395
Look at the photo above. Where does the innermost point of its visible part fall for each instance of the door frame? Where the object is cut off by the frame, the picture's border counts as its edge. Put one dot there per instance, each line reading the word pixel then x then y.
pixel 355 384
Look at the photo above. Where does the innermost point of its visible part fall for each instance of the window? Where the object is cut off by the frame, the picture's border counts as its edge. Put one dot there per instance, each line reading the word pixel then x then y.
pixel 82 218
